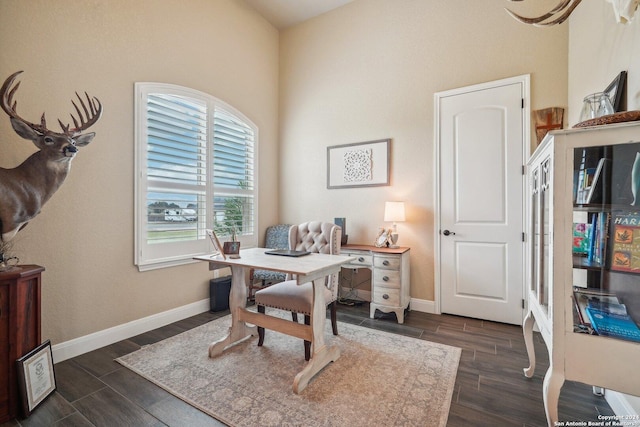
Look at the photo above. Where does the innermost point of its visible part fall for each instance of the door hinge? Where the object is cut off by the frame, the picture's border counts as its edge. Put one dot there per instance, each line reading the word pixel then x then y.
pixel 522 302
pixel 524 237
pixel 522 105
pixel 524 169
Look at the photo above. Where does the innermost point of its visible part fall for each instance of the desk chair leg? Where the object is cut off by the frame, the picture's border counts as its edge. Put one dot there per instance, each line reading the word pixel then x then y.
pixel 307 344
pixel 334 317
pixel 261 309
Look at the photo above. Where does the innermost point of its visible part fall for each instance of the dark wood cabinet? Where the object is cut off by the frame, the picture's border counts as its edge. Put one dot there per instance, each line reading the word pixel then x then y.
pixel 19 329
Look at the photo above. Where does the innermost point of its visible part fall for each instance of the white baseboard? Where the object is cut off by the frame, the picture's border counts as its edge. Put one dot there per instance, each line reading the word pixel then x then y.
pixel 622 404
pixel 423 305
pixel 77 346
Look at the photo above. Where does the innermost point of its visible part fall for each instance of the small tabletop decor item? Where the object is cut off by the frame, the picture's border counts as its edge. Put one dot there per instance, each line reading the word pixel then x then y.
pixel 382 238
pixel 36 378
pixel 217 247
pixel 8 262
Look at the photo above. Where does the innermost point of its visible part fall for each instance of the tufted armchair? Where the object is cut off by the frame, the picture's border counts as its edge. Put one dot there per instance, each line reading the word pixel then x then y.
pixel 314 236
pixel 276 237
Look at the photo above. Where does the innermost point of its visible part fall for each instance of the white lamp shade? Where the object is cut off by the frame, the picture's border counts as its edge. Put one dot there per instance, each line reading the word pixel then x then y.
pixel 394 211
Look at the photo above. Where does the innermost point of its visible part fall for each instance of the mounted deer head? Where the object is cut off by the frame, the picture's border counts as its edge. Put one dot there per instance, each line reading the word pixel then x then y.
pixel 26 188
pixel 623 10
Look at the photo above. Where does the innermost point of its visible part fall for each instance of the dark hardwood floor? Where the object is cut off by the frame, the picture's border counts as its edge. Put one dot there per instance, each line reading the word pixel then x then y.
pixel 490 390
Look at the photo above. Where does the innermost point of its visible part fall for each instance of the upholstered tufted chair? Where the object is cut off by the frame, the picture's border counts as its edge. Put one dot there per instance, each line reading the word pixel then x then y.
pixel 276 237
pixel 314 236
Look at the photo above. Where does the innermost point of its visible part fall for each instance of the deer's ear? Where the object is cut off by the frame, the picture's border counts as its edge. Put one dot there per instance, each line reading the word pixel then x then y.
pixel 24 130
pixel 84 139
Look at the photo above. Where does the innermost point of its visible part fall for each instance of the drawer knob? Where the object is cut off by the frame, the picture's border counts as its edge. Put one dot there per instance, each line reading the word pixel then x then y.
pixel 361 259
pixel 385 296
pixel 385 262
pixel 385 278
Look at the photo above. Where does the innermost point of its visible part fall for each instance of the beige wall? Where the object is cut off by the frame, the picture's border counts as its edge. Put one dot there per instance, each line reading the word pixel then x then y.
pixel 85 234
pixel 366 71
pixel 599 48
pixel 369 71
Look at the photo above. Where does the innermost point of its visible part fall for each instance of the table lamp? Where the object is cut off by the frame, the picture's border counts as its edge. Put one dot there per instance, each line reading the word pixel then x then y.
pixel 394 212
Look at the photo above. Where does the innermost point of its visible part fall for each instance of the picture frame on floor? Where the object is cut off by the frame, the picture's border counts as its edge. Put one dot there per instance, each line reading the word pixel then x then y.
pixel 36 377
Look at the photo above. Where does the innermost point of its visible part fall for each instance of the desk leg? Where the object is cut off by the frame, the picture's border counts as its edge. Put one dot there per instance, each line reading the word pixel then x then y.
pixel 237 301
pixel 527 331
pixel 321 355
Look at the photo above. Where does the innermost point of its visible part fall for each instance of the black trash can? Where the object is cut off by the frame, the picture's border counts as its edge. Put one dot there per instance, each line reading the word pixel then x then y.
pixel 219 290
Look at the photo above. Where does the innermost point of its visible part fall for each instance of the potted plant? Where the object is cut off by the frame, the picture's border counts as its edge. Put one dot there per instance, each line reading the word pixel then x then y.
pixel 232 248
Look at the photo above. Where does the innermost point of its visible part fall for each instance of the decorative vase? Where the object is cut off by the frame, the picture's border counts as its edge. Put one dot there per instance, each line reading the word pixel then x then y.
pixel 596 105
pixel 635 181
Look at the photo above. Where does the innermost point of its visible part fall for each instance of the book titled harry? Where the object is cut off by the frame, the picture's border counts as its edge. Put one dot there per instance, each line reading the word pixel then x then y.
pixel 625 253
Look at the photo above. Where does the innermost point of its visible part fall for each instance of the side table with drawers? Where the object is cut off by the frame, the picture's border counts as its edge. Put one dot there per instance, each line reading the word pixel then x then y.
pixel 390 274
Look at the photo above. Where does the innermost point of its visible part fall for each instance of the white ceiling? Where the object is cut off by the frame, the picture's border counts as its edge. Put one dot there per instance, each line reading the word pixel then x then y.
pixel 285 13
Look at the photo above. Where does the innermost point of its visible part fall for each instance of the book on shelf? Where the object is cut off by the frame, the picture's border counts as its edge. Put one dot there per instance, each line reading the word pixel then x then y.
pixel 625 250
pixel 608 307
pixel 607 322
pixel 598 237
pixel 581 240
pixel 585 179
pixel 583 297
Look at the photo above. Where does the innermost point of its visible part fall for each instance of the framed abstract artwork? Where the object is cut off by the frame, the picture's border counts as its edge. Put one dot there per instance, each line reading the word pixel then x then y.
pixel 362 164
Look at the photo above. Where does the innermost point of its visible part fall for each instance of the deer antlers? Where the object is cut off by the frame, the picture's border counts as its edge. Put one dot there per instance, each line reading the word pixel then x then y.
pixel 91 114
pixel 564 8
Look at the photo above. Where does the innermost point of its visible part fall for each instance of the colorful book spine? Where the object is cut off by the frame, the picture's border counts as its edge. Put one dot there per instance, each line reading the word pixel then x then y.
pixel 581 240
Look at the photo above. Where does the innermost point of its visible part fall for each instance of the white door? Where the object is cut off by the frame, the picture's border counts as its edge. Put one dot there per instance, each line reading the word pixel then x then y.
pixel 481 137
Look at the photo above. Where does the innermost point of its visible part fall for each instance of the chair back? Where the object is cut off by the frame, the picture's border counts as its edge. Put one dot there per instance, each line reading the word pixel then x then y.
pixel 319 237
pixel 277 236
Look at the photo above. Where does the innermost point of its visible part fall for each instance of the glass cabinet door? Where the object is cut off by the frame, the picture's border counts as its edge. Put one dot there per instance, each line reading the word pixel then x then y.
pixel 545 201
pixel 540 230
pixel 606 241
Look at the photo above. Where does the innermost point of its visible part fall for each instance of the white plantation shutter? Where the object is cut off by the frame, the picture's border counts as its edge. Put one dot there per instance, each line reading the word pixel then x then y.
pixel 233 174
pixel 176 167
pixel 195 169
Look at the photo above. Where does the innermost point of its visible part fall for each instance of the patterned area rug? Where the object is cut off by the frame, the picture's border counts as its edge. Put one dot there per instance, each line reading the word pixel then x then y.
pixel 380 378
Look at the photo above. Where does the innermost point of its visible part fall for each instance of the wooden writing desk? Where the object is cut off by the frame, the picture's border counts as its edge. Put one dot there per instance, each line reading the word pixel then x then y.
pixel 310 268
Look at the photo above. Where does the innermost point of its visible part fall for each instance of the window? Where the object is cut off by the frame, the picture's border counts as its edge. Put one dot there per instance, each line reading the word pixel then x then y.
pixel 195 169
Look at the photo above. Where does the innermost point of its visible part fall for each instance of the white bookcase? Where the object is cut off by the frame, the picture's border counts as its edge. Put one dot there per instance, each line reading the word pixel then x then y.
pixel 557 195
